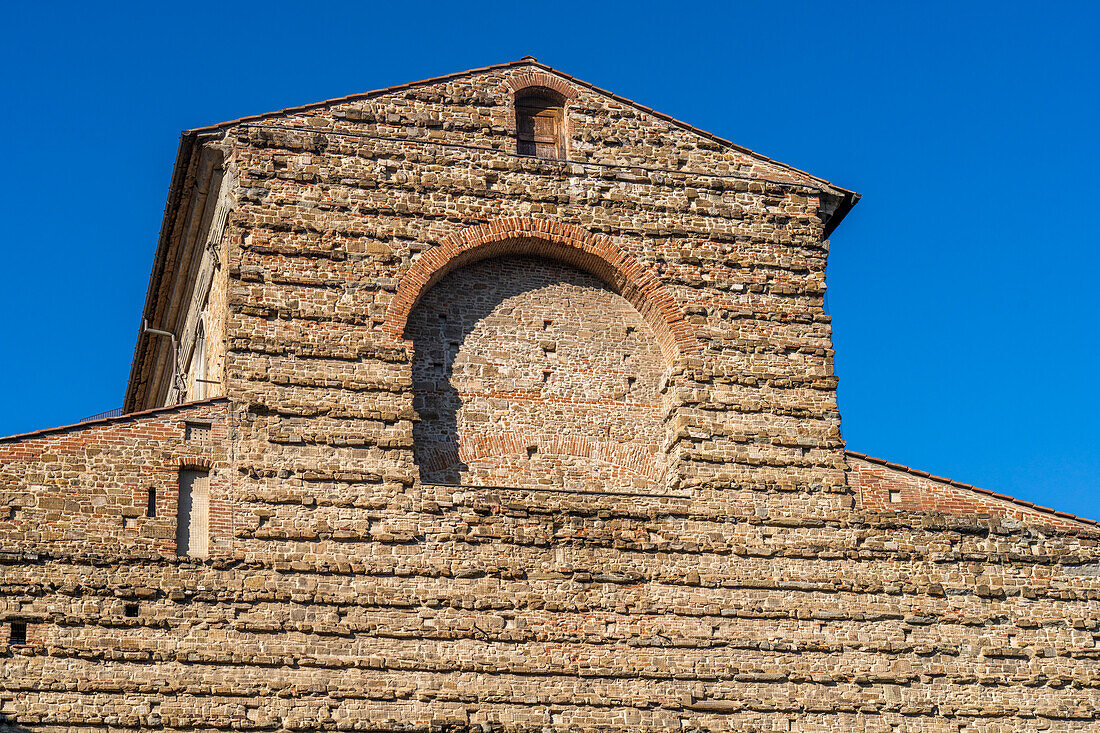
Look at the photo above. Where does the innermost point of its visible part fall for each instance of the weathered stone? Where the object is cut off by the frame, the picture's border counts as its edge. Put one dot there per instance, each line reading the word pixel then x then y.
pixel 496 442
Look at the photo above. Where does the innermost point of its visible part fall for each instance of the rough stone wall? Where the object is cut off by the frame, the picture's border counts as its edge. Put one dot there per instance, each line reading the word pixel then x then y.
pixel 750 594
pixel 527 372
pixel 332 215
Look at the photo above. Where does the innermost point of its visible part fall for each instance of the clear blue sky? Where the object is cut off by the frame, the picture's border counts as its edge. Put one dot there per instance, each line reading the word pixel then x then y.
pixel 963 286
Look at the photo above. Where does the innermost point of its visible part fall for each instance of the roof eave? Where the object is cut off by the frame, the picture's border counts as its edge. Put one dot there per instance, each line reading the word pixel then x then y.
pixel 847 202
pixel 175 194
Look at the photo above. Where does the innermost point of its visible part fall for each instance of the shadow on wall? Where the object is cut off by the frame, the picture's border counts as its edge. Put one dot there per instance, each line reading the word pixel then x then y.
pixel 437 402
pixel 7 725
pixel 438 327
pixel 515 354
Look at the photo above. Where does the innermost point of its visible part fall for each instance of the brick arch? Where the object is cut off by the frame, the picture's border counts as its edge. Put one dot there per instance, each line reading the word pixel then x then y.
pixel 595 253
pixel 477 447
pixel 526 79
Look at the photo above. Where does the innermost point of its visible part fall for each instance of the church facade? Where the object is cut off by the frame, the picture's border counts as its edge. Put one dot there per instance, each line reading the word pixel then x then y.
pixel 499 402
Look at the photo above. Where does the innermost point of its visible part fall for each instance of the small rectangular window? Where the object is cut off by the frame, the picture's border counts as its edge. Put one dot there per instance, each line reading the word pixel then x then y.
pixel 130 610
pixel 151 503
pixel 18 633
pixel 895 496
pixel 539 126
pixel 192 513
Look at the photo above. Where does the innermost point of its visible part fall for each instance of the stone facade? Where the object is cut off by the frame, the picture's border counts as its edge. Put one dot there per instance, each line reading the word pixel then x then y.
pixel 513 443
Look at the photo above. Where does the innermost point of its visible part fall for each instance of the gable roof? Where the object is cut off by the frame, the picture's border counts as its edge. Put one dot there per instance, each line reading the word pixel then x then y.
pixel 846 199
pixel 969 487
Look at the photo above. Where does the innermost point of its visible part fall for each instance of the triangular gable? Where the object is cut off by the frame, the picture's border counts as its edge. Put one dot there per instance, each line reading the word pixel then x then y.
pixel 787 174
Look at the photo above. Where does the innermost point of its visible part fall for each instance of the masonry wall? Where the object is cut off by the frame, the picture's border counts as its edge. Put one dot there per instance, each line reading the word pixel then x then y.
pixel 333 214
pixel 84 489
pixel 747 589
pixel 188 289
pixel 207 319
pixel 78 544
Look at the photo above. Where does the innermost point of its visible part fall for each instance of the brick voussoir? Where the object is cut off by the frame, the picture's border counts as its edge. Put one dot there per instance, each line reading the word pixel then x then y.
pixel 551 237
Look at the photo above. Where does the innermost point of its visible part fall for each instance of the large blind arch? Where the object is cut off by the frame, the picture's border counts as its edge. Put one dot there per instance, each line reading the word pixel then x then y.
pixel 597 254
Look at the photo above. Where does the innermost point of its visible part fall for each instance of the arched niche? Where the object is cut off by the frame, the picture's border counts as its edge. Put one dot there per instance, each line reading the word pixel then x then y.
pixel 529 371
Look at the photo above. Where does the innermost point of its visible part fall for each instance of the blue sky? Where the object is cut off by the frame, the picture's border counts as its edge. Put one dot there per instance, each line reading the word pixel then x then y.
pixel 963 286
